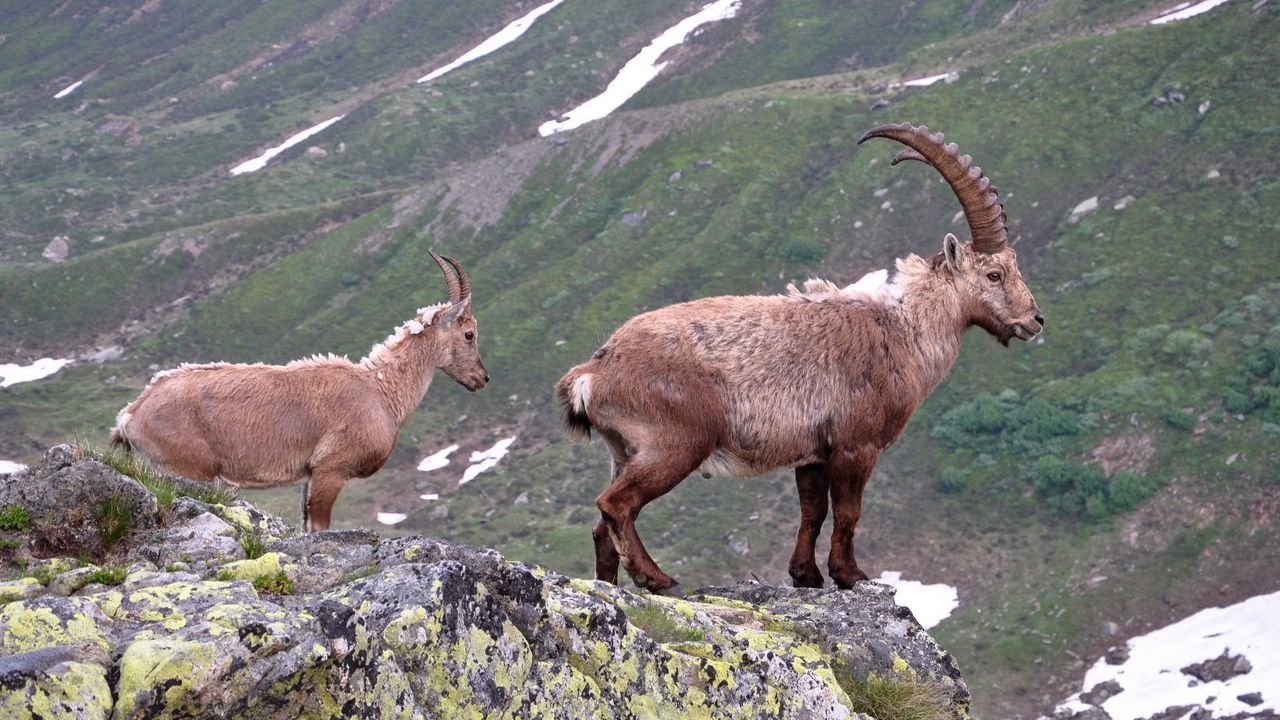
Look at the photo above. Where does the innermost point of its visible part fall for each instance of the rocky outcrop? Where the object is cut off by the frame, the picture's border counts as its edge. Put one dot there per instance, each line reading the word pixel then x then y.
pixel 343 624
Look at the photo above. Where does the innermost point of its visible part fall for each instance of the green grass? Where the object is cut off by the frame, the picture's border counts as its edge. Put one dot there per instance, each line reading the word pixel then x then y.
pixel 14 517
pixel 895 698
pixel 10 543
pixel 277 584
pixel 109 575
pixel 661 626
pixel 253 545
pixel 164 487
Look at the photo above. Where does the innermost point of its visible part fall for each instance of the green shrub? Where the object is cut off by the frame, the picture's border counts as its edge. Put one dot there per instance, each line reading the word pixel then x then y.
pixel 952 480
pixel 109 575
pixel 1179 419
pixel 1078 490
pixel 1006 425
pixel 14 517
pixel 277 584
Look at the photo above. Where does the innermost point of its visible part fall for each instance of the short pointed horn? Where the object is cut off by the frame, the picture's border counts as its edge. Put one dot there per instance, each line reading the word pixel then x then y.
pixel 463 281
pixel 978 197
pixel 455 289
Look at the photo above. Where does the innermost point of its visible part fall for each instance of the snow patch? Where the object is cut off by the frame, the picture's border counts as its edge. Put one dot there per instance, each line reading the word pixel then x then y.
pixel 261 161
pixel 430 496
pixel 1182 12
pixel 387 518
pixel 922 82
pixel 438 460
pixel 640 69
pixel 12 374
pixel 9 466
pixel 503 37
pixel 485 460
pixel 931 604
pixel 1152 678
pixel 68 90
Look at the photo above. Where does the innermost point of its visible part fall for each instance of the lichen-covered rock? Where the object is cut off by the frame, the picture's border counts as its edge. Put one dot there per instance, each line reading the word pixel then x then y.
pixel 342 624
pixel 203 537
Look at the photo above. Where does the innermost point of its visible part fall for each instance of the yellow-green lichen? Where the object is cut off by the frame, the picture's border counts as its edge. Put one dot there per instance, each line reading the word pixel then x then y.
pixel 24 627
pixel 77 688
pixel 19 589
pixel 248 570
pixel 163 673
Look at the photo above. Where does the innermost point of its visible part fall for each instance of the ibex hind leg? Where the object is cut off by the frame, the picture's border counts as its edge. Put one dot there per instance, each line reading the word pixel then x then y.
pixel 644 479
pixel 606 552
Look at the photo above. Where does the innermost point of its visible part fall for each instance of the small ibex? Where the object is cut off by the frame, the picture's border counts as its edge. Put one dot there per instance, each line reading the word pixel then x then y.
pixel 821 379
pixel 319 421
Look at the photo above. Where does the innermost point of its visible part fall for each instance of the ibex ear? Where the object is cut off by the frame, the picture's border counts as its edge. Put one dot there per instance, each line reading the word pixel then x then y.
pixel 954 253
pixel 455 311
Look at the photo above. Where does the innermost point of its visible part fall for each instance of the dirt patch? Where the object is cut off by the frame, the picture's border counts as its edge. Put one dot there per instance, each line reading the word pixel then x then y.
pixel 1124 452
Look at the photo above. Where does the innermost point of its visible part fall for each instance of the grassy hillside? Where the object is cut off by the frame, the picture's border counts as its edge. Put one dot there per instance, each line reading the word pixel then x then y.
pixel 1135 444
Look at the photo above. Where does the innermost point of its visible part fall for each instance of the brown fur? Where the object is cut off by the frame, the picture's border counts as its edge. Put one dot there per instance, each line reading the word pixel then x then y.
pixel 319 422
pixel 820 380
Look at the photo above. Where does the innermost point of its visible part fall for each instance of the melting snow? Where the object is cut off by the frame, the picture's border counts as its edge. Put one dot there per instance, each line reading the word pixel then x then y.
pixel 430 496
pixel 261 161
pixel 495 41
pixel 640 69
pixel 391 518
pixel 11 374
pixel 437 461
pixel 67 90
pixel 931 604
pixel 921 82
pixel 9 466
pixel 1182 12
pixel 1152 678
pixel 484 460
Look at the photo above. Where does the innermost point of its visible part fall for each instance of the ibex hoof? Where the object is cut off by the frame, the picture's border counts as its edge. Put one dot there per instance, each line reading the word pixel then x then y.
pixel 673 591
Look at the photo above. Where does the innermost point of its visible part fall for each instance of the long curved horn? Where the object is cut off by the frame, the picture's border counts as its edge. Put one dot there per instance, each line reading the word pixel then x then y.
pixel 455 289
pixel 978 197
pixel 463 281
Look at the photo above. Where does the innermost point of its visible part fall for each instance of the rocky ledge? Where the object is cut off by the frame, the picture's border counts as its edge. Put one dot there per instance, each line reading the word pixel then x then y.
pixel 214 609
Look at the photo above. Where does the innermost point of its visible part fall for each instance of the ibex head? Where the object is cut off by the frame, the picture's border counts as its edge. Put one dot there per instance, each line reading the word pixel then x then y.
pixel 985 271
pixel 460 354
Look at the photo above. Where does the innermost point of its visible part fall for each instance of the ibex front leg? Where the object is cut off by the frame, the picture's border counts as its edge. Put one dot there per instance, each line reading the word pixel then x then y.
pixel 319 495
pixel 811 483
pixel 848 472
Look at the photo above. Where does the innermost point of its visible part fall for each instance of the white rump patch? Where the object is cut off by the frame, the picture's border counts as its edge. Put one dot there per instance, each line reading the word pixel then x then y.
pixel 581 393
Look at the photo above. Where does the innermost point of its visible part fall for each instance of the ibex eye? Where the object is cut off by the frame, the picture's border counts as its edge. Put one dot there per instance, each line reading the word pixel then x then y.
pixel 993 276
pixel 470 336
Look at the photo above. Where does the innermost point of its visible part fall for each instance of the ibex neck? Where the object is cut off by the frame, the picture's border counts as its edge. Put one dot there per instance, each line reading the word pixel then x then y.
pixel 934 322
pixel 402 367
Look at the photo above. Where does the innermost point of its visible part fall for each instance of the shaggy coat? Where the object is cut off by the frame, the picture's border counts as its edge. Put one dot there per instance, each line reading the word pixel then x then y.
pixel 821 380
pixel 319 421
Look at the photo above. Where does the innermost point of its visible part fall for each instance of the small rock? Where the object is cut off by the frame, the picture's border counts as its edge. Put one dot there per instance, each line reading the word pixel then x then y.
pixel 57 249
pixel 1160 101
pixel 1204 107
pixel 317 153
pixel 521 499
pixel 1252 699
pixel 1176 97
pixel 1213 174
pixel 1223 667
pixel 1117 655
pixel 1084 208
pixel 675 177
pixel 1110 628
pixel 1101 692
pixel 632 219
pixel 879 104
pixel 702 164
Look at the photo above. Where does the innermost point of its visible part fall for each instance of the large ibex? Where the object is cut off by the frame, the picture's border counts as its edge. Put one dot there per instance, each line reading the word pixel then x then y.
pixel 821 379
pixel 319 421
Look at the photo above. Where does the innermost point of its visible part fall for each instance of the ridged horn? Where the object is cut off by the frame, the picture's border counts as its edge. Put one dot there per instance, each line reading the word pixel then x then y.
pixel 978 197
pixel 464 282
pixel 455 288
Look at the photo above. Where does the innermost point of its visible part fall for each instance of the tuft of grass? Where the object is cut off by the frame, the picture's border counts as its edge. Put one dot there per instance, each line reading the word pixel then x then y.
pixel 109 575
pixel 253 545
pixel 10 543
pixel 115 520
pixel 277 584
pixel 895 699
pixel 14 517
pixel 661 627
pixel 225 576
pixel 134 465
